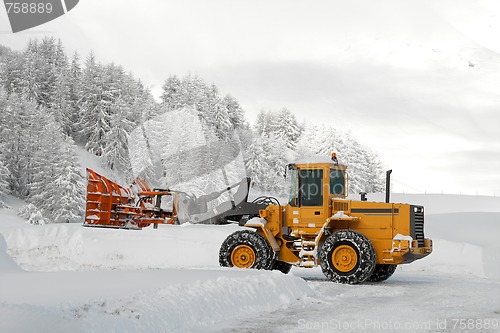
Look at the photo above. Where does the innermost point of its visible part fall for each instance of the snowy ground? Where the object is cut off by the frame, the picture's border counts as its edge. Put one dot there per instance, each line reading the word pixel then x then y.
pixel 67 277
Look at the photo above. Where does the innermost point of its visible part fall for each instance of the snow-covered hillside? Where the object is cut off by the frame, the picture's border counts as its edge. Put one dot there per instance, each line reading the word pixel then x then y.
pixel 65 276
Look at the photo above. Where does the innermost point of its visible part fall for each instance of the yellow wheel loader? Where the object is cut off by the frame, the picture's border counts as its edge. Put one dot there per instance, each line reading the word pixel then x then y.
pixel 352 241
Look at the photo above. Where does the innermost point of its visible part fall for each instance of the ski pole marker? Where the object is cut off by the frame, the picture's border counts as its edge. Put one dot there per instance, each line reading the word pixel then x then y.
pixel 26 14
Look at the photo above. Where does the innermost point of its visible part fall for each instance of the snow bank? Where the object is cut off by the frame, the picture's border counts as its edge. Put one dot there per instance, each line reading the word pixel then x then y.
pixel 123 280
pixel 9 217
pixel 143 301
pixel 481 229
pixel 196 306
pixel 464 243
pixel 7 265
pixel 59 247
pixel 452 258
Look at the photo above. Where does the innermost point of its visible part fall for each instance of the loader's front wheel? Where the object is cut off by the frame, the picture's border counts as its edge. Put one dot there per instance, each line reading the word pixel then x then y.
pixel 382 272
pixel 243 256
pixel 246 249
pixel 347 256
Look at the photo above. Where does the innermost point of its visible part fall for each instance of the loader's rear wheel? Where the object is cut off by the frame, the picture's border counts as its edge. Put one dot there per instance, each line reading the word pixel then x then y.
pixel 344 258
pixel 282 266
pixel 382 272
pixel 347 256
pixel 246 249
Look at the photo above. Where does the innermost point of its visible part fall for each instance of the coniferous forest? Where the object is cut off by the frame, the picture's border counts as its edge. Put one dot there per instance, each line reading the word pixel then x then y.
pixel 51 103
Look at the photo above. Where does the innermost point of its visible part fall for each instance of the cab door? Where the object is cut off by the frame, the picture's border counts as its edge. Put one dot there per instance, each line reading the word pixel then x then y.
pixel 310 197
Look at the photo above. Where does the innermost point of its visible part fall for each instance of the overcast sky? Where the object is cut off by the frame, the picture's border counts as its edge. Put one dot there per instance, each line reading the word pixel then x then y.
pixel 417 81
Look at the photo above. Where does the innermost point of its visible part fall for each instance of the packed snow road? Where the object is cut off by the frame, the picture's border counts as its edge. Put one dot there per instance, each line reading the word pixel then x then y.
pixel 410 301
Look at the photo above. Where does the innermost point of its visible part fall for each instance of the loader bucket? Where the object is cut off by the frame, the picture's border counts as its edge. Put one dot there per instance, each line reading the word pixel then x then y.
pixel 108 204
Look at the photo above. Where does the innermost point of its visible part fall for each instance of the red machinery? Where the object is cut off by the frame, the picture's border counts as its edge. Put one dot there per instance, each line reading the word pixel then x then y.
pixel 112 205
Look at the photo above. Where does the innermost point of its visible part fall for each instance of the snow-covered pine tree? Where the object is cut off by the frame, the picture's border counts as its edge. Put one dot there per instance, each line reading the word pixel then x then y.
pixel 52 63
pixel 234 110
pixel 203 97
pixel 173 94
pixel 216 115
pixel 192 92
pixel 245 136
pixel 9 140
pixel 4 179
pixel 74 81
pixel 265 164
pixel 60 106
pixel 213 174
pixel 264 123
pixel 144 136
pixel 256 166
pixel 286 127
pixel 223 115
pixel 30 85
pixel 376 181
pixel 181 154
pixel 31 213
pixel 141 154
pixel 147 106
pixel 3 113
pixel 35 155
pixel 11 70
pixel 115 153
pixel 276 149
pixel 57 188
pixel 137 99
pixel 94 107
pixel 61 62
pixel 69 205
pixel 307 142
pixel 19 140
pixel 44 165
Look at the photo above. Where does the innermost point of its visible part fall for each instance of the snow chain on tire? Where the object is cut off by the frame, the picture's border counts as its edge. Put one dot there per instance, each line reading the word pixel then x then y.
pixel 382 272
pixel 282 266
pixel 359 253
pixel 264 254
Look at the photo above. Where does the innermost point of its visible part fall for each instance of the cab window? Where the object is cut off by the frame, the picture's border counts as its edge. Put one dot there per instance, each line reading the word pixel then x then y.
pixel 311 187
pixel 292 195
pixel 337 182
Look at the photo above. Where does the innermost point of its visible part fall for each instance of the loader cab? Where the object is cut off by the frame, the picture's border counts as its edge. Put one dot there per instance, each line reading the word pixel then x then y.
pixel 313 185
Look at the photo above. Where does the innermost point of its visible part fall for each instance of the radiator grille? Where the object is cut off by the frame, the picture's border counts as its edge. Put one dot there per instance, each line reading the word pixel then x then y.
pixel 339 205
pixel 419 225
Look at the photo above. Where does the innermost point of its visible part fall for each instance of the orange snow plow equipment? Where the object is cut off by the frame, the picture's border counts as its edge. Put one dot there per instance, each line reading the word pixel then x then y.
pixel 114 206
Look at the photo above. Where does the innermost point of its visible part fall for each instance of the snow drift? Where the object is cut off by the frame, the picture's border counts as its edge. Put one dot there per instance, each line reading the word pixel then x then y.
pixel 468 242
pixel 63 247
pixel 139 290
pixel 7 265
pixel 170 300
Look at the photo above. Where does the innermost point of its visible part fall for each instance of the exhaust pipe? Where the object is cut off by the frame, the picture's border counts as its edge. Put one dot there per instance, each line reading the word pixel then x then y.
pixel 388 185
